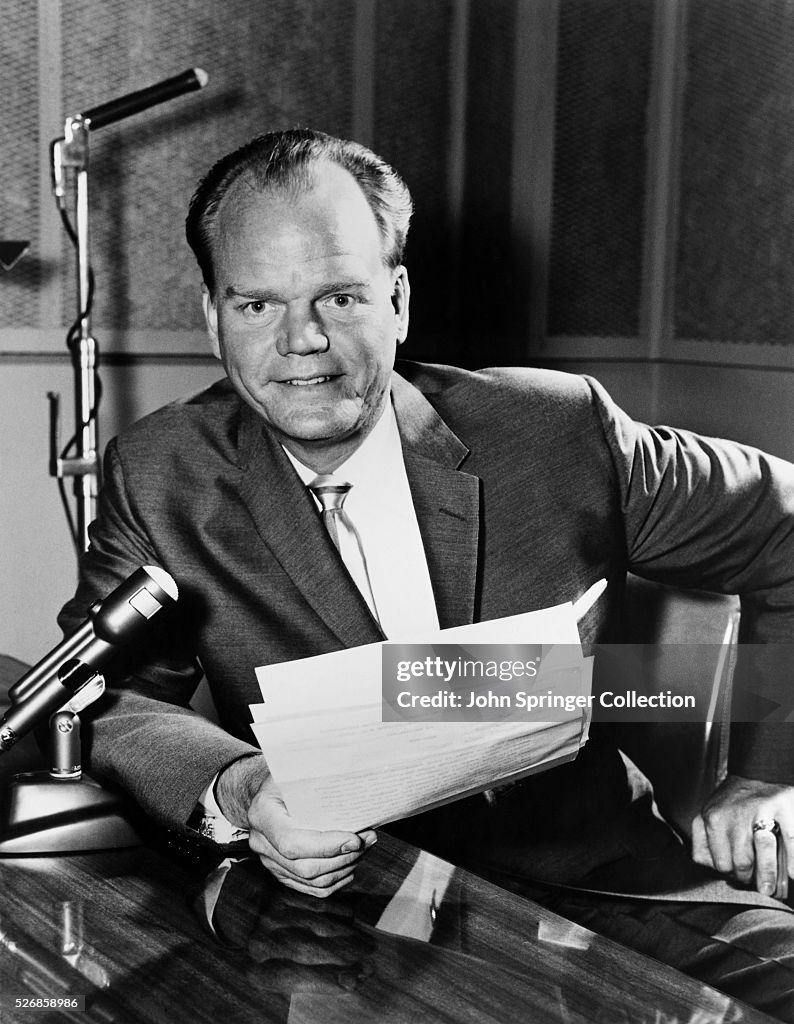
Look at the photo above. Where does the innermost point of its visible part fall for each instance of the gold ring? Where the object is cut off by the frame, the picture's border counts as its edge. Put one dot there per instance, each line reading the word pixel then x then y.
pixel 765 825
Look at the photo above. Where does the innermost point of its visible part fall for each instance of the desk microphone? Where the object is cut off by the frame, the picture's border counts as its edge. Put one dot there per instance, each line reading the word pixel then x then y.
pixel 117 621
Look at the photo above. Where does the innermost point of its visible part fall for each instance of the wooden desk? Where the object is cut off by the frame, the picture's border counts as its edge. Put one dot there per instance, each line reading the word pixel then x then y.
pixel 125 930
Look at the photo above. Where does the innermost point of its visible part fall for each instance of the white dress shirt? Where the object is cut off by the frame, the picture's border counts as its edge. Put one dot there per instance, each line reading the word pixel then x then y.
pixel 381 508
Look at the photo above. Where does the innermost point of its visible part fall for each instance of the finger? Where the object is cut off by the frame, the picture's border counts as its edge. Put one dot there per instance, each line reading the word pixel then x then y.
pixel 783 862
pixel 269 816
pixel 765 847
pixel 701 854
pixel 322 892
pixel 715 848
pixel 731 845
pixel 785 820
pixel 301 843
pixel 783 814
pixel 316 871
pixel 741 861
pixel 309 868
pixel 325 880
pixel 319 882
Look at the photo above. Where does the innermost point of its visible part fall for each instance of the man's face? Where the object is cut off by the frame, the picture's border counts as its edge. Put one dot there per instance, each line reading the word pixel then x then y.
pixel 306 316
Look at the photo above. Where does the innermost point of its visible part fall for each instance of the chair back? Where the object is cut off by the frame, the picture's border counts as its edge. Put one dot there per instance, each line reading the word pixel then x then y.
pixel 693 635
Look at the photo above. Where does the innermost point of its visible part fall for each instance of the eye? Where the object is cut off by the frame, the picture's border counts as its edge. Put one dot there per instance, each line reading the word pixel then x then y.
pixel 256 307
pixel 341 301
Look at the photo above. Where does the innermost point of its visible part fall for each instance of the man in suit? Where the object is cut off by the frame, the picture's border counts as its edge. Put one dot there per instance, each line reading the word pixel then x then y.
pixel 474 496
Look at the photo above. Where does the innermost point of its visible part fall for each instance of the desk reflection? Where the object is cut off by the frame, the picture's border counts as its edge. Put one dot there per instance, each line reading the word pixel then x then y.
pixel 415 950
pixel 371 953
pixel 413 941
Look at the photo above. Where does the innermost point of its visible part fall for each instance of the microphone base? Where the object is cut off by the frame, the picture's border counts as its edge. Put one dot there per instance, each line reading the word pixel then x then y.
pixel 40 814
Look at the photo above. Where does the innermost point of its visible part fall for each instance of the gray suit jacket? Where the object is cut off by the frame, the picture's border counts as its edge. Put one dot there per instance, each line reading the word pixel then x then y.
pixel 528 486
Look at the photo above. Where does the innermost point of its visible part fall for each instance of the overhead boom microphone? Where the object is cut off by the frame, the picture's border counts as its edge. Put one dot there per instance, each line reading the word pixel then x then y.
pixel 134 102
pixel 116 622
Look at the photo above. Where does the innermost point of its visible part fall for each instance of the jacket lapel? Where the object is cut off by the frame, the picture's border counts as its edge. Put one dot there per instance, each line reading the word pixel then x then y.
pixel 286 519
pixel 447 504
pixel 446 500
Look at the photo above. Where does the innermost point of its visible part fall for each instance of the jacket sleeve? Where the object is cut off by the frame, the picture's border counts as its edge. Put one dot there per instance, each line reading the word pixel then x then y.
pixel 716 515
pixel 142 733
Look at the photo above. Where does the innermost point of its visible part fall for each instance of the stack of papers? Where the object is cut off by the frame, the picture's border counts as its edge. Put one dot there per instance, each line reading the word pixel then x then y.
pixel 339 765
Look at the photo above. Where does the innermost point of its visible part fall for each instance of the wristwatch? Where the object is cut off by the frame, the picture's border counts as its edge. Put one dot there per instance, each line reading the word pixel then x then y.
pixel 219 830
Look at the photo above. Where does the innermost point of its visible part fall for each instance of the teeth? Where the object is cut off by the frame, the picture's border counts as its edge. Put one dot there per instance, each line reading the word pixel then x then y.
pixel 298 383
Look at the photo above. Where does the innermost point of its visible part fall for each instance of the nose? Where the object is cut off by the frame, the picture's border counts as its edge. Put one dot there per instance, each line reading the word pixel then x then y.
pixel 301 334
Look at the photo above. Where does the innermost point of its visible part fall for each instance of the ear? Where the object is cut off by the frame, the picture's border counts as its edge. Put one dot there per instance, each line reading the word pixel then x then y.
pixel 400 298
pixel 211 318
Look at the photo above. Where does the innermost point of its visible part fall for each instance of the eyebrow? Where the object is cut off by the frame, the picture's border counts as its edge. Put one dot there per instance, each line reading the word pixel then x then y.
pixel 266 294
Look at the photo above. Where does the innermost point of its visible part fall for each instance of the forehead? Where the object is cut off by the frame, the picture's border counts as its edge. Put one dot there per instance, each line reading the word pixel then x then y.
pixel 327 217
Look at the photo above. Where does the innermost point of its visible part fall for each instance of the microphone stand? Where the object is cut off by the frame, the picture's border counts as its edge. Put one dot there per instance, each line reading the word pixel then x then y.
pixel 71 153
pixel 63 810
pixel 60 810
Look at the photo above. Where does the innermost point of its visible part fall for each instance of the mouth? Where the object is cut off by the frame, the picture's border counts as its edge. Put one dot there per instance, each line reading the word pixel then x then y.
pixel 303 382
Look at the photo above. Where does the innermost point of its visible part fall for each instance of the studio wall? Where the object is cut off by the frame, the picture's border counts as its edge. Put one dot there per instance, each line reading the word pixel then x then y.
pixel 672 242
pixel 601 186
pixel 391 75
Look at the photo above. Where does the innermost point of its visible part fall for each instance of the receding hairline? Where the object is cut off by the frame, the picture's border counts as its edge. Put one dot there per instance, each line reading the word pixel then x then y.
pixel 291 160
pixel 298 182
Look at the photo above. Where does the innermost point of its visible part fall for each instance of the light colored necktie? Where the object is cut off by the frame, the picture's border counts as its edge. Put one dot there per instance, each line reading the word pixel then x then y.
pixel 331 493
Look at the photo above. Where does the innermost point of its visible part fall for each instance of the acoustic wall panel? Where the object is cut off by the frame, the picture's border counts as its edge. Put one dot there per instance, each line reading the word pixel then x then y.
pixel 599 187
pixel 412 89
pixel 735 268
pixel 271 64
pixel 20 153
pixel 487 281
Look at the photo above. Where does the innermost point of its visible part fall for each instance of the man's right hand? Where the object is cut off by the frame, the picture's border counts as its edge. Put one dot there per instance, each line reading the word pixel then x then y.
pixel 307 860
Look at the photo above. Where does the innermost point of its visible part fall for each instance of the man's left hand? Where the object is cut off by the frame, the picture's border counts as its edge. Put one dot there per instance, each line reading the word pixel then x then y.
pixel 723 837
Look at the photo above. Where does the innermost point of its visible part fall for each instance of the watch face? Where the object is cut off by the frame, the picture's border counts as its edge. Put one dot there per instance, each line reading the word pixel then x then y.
pixel 207 827
pixel 220 831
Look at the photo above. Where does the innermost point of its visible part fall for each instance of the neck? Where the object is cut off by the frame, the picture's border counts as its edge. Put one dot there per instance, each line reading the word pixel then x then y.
pixel 325 456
